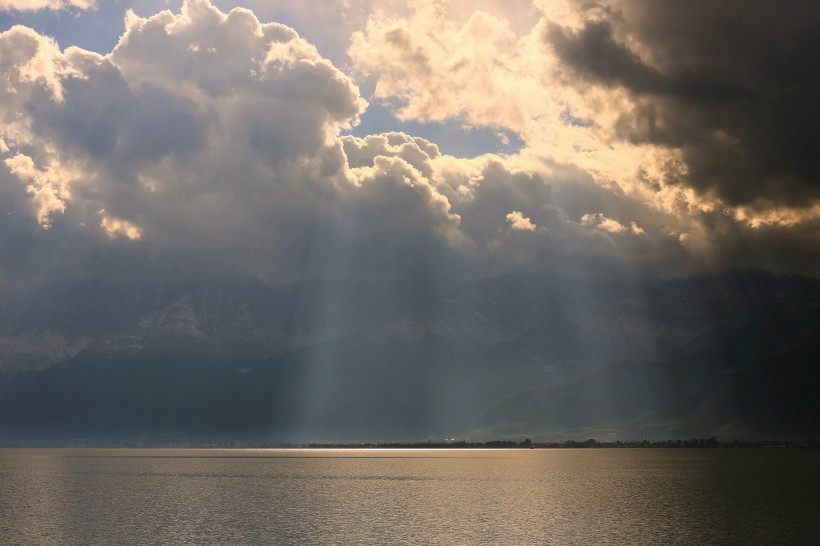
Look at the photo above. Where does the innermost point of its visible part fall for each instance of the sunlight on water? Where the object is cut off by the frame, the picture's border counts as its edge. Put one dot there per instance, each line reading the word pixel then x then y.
pixel 409 496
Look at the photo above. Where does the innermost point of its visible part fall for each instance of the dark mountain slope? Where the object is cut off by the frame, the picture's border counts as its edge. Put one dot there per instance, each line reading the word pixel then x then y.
pixel 376 387
pixel 751 377
pixel 731 354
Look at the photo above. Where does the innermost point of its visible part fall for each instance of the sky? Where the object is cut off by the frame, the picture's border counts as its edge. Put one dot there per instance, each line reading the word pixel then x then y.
pixel 442 139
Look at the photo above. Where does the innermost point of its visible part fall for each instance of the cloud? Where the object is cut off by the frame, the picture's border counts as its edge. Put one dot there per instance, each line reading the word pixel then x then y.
pixel 729 87
pixel 114 227
pixel 438 68
pixel 47 187
pixel 478 71
pixel 226 153
pixel 233 141
pixel 33 62
pixel 210 141
pixel 601 222
pixel 595 54
pixel 54 5
pixel 697 111
pixel 520 222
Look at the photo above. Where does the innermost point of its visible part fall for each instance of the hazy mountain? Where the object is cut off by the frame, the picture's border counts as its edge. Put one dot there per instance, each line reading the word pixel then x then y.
pixel 753 376
pixel 732 354
pixel 208 318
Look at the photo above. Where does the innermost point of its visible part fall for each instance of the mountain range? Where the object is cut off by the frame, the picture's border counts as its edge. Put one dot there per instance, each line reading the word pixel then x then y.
pixel 732 355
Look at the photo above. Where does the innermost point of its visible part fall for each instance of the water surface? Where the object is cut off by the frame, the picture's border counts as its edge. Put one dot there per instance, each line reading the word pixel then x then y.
pixel 601 496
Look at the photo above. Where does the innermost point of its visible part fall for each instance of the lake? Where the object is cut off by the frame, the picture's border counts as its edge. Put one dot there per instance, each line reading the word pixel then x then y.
pixel 589 496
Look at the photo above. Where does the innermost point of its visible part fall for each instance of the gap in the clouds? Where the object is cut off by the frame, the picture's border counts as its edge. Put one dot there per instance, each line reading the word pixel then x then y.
pixel 451 137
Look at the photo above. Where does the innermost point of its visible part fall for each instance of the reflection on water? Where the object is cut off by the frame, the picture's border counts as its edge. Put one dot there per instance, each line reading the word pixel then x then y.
pixel 409 496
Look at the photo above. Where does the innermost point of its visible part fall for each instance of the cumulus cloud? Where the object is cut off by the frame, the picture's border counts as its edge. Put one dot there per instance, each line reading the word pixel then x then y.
pixel 114 227
pixel 233 140
pixel 601 222
pixel 430 77
pixel 210 140
pixel 483 70
pixel 24 5
pixel 699 112
pixel 732 93
pixel 520 222
pixel 226 151
pixel 47 187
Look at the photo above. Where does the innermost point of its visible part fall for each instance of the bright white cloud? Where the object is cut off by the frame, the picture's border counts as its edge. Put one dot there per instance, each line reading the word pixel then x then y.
pixel 31 62
pixel 54 5
pixel 601 222
pixel 48 187
pixel 441 69
pixel 520 222
pixel 768 215
pixel 114 227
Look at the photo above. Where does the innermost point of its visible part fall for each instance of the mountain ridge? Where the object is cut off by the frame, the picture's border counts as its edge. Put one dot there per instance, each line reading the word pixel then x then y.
pixel 371 361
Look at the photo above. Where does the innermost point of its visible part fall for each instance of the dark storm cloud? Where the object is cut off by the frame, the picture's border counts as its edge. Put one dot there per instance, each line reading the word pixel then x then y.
pixel 734 85
pixel 594 52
